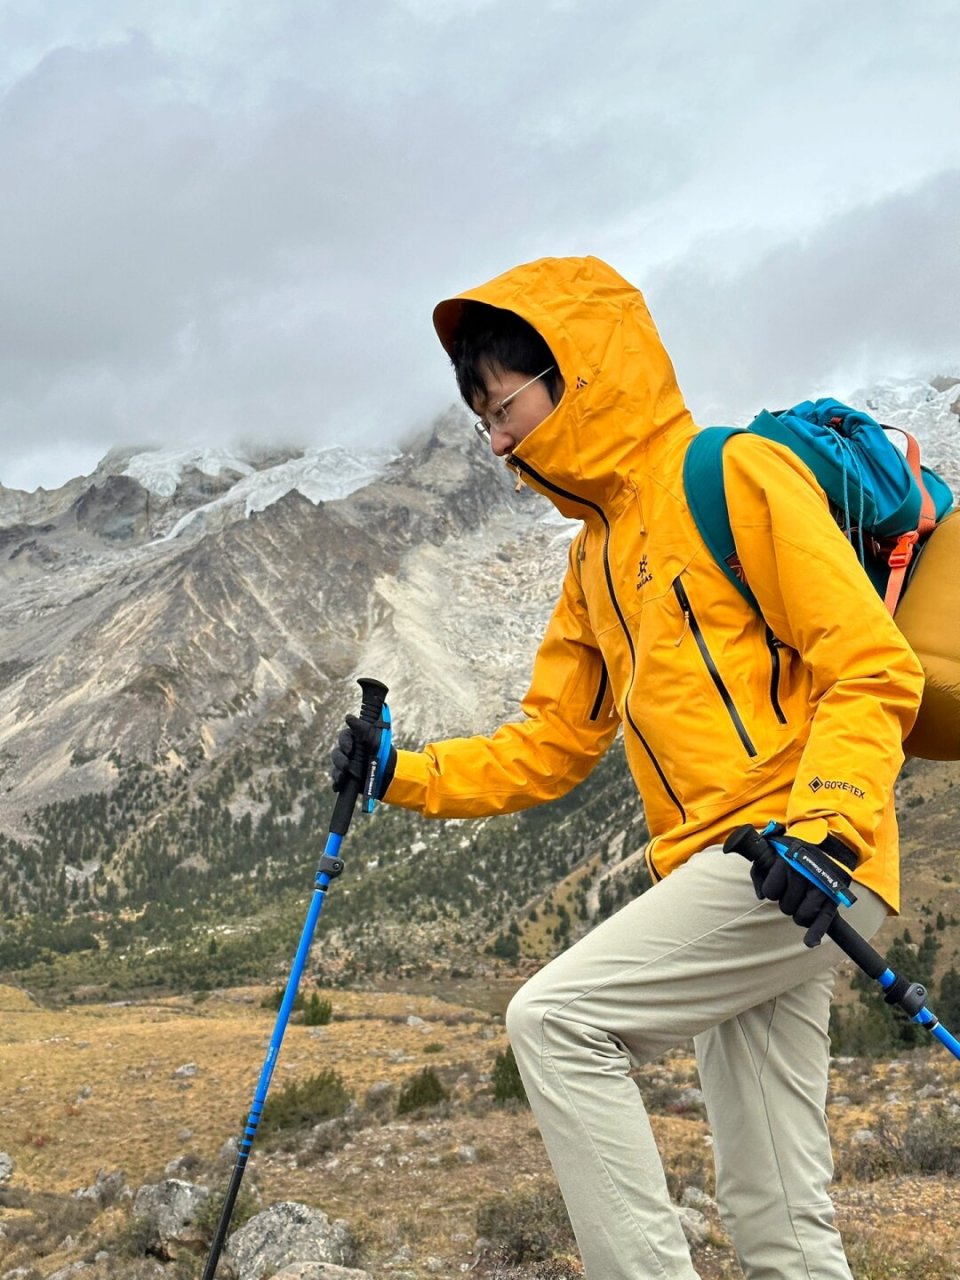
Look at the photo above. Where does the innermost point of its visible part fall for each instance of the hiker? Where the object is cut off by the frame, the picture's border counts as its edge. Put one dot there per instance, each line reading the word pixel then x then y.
pixel 728 717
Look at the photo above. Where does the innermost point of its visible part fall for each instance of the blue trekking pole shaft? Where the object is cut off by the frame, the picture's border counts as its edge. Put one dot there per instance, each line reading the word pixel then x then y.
pixel 911 997
pixel 372 708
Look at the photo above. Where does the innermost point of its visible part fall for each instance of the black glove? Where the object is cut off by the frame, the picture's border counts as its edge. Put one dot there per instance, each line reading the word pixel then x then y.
pixel 777 881
pixel 357 745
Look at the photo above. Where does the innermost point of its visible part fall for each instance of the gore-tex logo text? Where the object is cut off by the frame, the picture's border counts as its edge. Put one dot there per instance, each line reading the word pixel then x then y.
pixel 834 784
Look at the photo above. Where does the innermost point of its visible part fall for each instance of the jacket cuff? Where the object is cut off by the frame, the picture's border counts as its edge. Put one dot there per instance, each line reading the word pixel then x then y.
pixel 408 786
pixel 840 852
pixel 815 831
pixel 388 772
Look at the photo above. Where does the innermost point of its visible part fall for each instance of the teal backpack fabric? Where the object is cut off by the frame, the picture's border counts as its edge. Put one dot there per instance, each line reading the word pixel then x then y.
pixel 866 478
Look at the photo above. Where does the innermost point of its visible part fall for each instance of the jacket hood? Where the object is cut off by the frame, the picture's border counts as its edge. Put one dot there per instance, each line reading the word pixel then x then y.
pixel 621 397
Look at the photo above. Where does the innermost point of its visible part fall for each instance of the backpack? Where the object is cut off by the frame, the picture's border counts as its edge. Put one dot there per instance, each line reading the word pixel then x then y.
pixel 891 508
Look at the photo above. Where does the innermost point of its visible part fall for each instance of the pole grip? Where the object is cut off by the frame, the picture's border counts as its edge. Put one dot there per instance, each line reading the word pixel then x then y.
pixel 750 844
pixel 373 694
pixel 857 948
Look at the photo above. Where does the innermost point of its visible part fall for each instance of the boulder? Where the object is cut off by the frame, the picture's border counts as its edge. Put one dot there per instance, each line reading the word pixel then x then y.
pixel 171 1208
pixel 328 1135
pixel 289 1235
pixel 695 1198
pixel 228 1152
pixel 695 1226
pixel 106 1188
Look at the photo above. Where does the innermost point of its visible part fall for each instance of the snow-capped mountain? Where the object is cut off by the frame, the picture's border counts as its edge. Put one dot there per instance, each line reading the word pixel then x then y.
pixel 322 475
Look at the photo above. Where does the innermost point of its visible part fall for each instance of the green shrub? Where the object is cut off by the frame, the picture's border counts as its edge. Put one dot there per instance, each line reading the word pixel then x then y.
pixel 317 1012
pixel 44 1218
pixel 274 999
pixel 863 1030
pixel 422 1090
pixel 927 1143
pixel 872 1258
pixel 506 946
pixel 529 1226
pixel 931 1142
pixel 208 1214
pixel 303 1103
pixel 507 1085
pixel 135 1238
pixel 947 1007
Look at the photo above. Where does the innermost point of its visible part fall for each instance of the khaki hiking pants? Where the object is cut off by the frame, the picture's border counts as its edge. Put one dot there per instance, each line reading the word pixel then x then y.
pixel 696 955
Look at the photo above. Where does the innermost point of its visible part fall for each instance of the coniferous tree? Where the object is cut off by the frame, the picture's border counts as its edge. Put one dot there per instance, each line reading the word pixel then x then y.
pixel 948 1001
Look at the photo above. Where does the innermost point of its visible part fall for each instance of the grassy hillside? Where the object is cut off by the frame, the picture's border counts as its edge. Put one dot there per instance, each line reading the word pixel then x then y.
pixel 194 877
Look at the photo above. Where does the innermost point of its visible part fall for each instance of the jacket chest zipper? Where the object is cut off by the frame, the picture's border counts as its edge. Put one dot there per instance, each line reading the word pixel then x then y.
pixel 690 623
pixel 584 502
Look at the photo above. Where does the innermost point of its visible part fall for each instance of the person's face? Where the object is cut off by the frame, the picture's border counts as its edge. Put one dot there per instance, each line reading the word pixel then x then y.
pixel 514 404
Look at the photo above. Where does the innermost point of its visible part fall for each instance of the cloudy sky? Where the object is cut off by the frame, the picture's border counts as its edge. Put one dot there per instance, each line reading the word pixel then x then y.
pixel 231 221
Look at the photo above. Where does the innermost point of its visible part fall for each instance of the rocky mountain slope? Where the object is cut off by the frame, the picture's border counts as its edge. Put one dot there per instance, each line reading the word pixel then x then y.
pixel 151 611
pixel 179 639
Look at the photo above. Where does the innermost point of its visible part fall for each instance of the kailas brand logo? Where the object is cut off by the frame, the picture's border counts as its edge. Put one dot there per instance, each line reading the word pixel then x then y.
pixel 581 382
pixel 643 573
pixel 733 560
pixel 835 784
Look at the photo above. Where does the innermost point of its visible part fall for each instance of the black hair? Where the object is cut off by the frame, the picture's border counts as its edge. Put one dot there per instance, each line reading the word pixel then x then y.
pixel 489 337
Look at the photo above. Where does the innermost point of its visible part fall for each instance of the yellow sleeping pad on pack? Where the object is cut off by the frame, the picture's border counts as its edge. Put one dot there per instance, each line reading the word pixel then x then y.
pixel 929 617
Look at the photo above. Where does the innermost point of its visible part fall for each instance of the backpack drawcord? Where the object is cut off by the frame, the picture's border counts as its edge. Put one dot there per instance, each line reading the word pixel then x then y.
pixel 848 452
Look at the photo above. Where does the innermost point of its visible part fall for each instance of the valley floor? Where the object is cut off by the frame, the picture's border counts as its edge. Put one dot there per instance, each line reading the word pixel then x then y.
pixel 141 1087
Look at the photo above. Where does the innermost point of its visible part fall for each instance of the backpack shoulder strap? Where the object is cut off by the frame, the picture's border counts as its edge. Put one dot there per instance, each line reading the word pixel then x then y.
pixel 703 484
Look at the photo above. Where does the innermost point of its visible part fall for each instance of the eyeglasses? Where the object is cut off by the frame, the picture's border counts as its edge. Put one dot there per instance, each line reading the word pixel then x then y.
pixel 499 416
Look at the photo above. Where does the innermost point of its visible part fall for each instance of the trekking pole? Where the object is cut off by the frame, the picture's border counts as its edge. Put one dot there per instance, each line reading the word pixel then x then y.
pixel 374 710
pixel 911 997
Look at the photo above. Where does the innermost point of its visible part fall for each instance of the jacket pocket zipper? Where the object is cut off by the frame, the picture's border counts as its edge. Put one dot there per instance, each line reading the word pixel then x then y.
pixel 690 621
pixel 773 644
pixel 601 694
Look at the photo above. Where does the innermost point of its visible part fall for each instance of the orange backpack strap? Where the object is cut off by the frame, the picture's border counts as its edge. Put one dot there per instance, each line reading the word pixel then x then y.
pixel 901 555
pixel 899 561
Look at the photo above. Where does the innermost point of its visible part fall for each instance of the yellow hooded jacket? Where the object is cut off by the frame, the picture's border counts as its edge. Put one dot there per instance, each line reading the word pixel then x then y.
pixel 727 717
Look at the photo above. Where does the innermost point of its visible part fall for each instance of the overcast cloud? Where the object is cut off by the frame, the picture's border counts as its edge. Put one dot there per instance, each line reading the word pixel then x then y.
pixel 234 224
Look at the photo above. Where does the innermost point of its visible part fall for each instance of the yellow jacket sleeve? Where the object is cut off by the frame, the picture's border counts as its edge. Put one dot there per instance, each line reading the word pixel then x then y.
pixel 817 599
pixel 568 724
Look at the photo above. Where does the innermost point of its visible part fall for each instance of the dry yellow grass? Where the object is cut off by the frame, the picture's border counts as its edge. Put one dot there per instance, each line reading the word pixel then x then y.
pixel 94 1087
